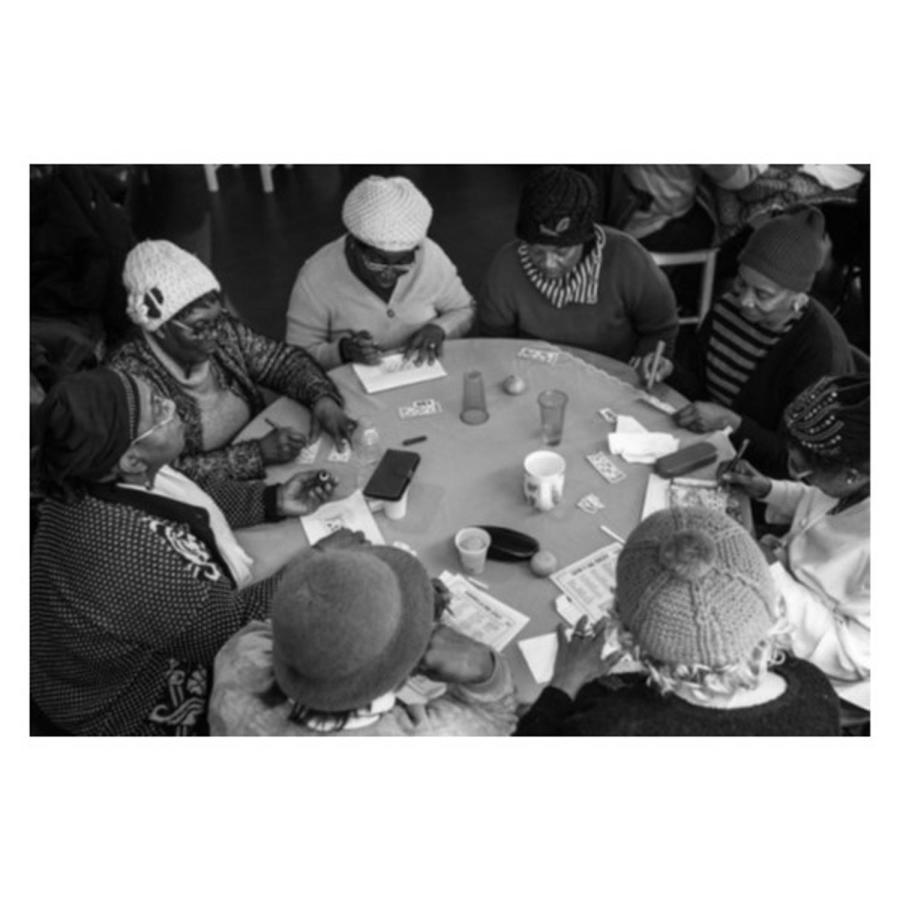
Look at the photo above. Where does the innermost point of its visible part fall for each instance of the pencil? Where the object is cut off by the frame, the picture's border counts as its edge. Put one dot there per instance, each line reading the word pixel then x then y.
pixel 612 534
pixel 738 456
pixel 272 423
pixel 654 365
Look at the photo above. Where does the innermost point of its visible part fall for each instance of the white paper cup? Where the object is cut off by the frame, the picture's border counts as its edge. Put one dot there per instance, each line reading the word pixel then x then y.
pixel 396 509
pixel 472 546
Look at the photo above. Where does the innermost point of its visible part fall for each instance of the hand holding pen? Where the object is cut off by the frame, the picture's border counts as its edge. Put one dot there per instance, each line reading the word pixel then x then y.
pixel 360 347
pixel 653 368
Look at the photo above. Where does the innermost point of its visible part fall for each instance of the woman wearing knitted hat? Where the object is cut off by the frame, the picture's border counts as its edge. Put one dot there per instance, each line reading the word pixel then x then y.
pixel 763 341
pixel 821 566
pixel 213 366
pixel 383 286
pixel 571 281
pixel 137 574
pixel 695 605
pixel 348 628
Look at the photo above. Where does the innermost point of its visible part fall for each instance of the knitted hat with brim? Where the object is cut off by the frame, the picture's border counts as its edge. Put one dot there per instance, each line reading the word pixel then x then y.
pixel 788 249
pixel 558 207
pixel 390 214
pixel 161 280
pixel 693 588
pixel 349 625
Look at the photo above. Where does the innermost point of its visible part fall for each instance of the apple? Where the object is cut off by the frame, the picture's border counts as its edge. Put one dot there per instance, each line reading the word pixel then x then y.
pixel 543 563
pixel 514 385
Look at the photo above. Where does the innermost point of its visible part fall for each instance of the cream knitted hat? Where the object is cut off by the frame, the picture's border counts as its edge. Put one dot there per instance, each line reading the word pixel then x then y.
pixel 391 214
pixel 693 588
pixel 162 279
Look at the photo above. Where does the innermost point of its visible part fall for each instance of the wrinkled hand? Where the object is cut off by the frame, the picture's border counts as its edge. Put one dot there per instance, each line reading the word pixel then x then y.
pixel 644 366
pixel 772 548
pixel 328 416
pixel 426 345
pixel 580 659
pixel 305 492
pixel 341 539
pixel 745 478
pixel 704 417
pixel 358 346
pixel 456 659
pixel 281 445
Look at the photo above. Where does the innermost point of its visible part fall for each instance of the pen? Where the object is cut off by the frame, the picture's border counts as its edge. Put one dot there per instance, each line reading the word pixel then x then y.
pixel 738 456
pixel 612 534
pixel 272 423
pixel 654 365
pixel 415 440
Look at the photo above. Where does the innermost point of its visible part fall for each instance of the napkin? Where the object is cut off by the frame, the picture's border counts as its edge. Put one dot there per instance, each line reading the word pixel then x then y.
pixel 642 447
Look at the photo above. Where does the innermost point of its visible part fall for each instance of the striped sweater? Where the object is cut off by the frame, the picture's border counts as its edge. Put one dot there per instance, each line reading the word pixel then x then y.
pixel 757 372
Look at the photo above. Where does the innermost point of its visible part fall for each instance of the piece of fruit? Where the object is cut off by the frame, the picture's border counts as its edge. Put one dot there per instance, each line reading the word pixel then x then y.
pixel 514 385
pixel 543 563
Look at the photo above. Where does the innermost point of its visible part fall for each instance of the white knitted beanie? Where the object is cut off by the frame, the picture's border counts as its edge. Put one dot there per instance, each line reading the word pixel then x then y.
pixel 162 279
pixel 391 214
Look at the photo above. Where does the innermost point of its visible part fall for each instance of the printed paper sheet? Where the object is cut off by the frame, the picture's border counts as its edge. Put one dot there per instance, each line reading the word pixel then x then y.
pixel 393 372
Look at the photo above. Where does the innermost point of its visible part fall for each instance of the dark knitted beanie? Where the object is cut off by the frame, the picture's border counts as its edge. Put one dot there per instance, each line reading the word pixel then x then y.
pixel 789 249
pixel 693 588
pixel 349 625
pixel 558 207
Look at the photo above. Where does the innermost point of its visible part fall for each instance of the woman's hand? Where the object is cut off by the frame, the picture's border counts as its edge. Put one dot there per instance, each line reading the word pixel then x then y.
pixel 453 658
pixel 745 478
pixel 329 416
pixel 704 417
pixel 305 492
pixel 426 345
pixel 281 445
pixel 644 366
pixel 580 659
pixel 359 347
pixel 772 548
pixel 342 539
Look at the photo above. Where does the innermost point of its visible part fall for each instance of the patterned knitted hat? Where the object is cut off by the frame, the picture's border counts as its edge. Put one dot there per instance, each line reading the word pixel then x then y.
pixel 831 417
pixel 161 280
pixel 349 625
pixel 390 214
pixel 558 207
pixel 789 249
pixel 694 589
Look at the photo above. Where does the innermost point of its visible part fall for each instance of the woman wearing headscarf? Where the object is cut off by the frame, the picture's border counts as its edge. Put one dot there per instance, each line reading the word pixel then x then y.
pixel 214 367
pixel 348 629
pixel 568 280
pixel 384 286
pixel 822 565
pixel 696 607
pixel 763 342
pixel 138 574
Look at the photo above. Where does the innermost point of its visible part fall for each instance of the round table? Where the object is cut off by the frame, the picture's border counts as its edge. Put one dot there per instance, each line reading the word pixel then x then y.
pixel 472 474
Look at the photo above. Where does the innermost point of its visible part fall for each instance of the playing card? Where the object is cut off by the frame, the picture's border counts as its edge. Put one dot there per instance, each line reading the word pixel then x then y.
pixel 590 503
pixel 545 356
pixel 420 408
pixel 605 466
pixel 339 455
pixel 607 415
pixel 309 453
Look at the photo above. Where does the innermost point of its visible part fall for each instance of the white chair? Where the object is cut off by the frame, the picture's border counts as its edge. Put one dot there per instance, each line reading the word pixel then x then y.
pixel 265 173
pixel 706 258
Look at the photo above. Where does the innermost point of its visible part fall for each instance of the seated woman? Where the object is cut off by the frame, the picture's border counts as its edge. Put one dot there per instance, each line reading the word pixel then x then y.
pixel 821 566
pixel 569 280
pixel 137 576
pixel 763 342
pixel 213 367
pixel 348 628
pixel 382 287
pixel 695 605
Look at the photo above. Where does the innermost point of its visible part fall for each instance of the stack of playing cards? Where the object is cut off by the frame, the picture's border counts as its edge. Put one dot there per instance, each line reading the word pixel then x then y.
pixel 428 407
pixel 535 353
pixel 605 466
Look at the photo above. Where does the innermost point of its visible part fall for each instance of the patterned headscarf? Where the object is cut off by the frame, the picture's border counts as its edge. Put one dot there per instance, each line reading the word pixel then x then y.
pixel 830 418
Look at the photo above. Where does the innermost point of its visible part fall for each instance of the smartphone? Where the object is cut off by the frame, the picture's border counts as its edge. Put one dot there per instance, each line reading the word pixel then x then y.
pixel 686 459
pixel 392 475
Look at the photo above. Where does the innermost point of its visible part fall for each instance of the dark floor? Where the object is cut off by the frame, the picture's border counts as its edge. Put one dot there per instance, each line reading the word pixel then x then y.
pixel 259 241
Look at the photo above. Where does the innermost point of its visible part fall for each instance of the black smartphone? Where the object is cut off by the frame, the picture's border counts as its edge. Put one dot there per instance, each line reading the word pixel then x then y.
pixel 392 475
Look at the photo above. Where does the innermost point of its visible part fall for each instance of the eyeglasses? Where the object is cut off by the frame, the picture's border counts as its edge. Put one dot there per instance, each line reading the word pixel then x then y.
pixel 205 328
pixel 374 263
pixel 163 413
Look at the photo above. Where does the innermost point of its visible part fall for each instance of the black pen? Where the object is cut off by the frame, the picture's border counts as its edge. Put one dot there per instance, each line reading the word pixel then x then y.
pixel 737 458
pixel 415 440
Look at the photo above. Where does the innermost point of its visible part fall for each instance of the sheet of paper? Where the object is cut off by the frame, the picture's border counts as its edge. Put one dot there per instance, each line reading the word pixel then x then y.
pixel 540 654
pixel 590 582
pixel 309 453
pixel 393 372
pixel 479 615
pixel 629 425
pixel 350 512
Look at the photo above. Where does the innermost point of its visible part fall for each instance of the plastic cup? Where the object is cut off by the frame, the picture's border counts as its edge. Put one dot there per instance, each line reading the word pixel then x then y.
pixel 396 509
pixel 472 546
pixel 552 405
pixel 474 406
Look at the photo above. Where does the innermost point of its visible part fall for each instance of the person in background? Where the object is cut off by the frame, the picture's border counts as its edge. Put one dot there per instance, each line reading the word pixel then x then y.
pixel 384 286
pixel 674 217
pixel 213 366
pixel 568 280
pixel 348 628
pixel 695 605
pixel 138 574
pixel 821 566
pixel 762 343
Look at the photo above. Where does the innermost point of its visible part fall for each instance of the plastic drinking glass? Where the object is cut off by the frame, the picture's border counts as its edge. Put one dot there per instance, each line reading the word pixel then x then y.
pixel 552 405
pixel 474 406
